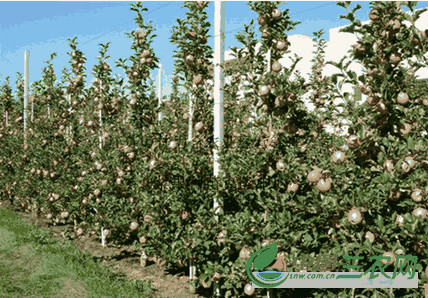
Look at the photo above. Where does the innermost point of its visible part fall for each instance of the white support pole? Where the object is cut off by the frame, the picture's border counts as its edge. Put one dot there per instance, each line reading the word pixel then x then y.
pixel 269 69
pixel 192 273
pixel 101 124
pixel 103 237
pixel 26 81
pixel 190 118
pixel 219 29
pixel 160 89
pixel 143 259
pixel 100 137
pixel 69 111
pixel 189 139
pixel 218 85
pixel 268 60
pixel 269 291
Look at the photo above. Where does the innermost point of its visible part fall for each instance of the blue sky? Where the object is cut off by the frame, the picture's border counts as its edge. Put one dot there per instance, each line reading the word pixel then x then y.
pixel 44 27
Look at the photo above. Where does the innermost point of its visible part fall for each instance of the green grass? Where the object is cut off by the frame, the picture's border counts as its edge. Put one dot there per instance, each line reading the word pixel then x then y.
pixel 33 264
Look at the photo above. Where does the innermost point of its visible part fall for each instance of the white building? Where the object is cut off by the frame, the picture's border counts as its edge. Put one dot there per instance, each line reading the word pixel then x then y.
pixel 336 48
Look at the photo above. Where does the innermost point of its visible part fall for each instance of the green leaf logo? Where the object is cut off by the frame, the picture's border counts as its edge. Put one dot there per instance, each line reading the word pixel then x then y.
pixel 265 256
pixel 261 259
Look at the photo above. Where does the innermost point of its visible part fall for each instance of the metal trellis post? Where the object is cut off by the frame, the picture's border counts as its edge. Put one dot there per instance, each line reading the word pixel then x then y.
pixel 26 68
pixel 219 29
pixel 160 89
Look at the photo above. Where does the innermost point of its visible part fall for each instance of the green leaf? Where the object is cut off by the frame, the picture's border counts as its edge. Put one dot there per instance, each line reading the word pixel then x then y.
pixel 344 4
pixel 350 16
pixel 379 222
pixel 380 157
pixel 352 74
pixel 347 65
pixel 265 256
pixel 334 78
pixel 307 238
pixel 355 9
pixel 411 144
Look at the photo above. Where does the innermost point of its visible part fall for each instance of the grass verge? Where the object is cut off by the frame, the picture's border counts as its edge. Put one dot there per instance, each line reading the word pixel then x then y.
pixel 33 264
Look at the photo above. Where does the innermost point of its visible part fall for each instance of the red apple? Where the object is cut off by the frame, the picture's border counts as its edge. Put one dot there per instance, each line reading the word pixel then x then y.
pixel 402 98
pixel 354 216
pixel 395 58
pixel 405 128
pixel 353 142
pixel 314 175
pixel 293 187
pixel 197 79
pixel 264 90
pixel 244 254
pixel 338 157
pixel 249 290
pixel 388 254
pixel 276 14
pixel 420 212
pixel 389 165
pixel 324 185
pixel 372 100
pixel 280 166
pixel 262 20
pixel 374 15
pixel 276 67
pixel 133 226
pixel 417 195
pixel 281 45
pixel 146 54
pixel 399 220
pixel 370 236
pixel 216 277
